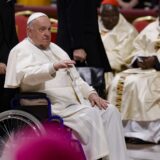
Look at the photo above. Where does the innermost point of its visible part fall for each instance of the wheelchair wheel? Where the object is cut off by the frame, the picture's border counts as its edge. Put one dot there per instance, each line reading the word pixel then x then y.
pixel 13 121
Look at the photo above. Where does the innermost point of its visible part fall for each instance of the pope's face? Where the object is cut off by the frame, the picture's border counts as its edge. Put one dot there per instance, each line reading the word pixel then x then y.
pixel 40 32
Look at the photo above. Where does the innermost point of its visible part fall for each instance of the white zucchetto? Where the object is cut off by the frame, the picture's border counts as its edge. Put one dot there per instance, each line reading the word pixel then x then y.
pixel 35 16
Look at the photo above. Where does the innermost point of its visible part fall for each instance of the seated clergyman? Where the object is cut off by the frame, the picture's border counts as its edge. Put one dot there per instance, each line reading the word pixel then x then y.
pixel 36 64
pixel 136 91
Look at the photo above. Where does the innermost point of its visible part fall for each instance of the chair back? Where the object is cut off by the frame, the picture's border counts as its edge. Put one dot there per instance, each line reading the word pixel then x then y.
pixel 21 23
pixel 141 22
pixel 54 27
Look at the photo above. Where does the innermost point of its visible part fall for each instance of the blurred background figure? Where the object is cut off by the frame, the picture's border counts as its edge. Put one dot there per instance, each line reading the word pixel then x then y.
pixel 141 4
pixel 78 33
pixel 117 36
pixel 53 1
pixel 34 2
pixel 128 4
pixel 148 4
pixel 8 39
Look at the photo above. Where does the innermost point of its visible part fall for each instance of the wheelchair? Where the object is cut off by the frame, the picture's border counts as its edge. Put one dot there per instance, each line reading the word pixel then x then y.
pixel 28 110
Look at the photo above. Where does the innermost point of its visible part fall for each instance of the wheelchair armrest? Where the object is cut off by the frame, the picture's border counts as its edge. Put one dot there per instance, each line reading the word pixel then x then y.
pixel 28 97
pixel 31 95
pixel 36 103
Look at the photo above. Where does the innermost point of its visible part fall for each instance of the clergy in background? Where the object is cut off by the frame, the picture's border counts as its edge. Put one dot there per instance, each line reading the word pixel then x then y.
pixel 136 91
pixel 117 36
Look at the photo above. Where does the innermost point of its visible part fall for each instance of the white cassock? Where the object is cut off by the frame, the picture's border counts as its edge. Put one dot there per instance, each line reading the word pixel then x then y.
pixel 136 92
pixel 99 131
pixel 118 45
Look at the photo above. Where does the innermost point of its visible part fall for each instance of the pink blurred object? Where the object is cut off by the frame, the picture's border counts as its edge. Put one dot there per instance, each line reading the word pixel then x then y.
pixel 56 144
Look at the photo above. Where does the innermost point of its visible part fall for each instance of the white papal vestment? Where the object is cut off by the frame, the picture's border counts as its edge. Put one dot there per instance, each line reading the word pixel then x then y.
pixel 99 131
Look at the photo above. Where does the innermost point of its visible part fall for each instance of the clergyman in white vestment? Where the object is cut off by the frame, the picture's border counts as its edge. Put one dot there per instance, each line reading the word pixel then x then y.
pixel 35 64
pixel 136 91
pixel 117 36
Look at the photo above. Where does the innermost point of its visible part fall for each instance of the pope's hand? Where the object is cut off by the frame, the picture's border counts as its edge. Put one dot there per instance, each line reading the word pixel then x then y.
pixel 98 101
pixel 2 68
pixel 64 64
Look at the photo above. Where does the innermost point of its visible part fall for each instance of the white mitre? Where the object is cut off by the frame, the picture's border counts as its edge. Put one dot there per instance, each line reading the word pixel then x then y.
pixel 35 16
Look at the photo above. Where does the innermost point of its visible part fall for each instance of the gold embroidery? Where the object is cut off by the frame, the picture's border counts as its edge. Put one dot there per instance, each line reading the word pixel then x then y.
pixel 119 89
pixel 157 44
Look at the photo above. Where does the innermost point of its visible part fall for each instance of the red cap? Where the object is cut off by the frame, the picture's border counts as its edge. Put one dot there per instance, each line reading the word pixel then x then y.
pixel 112 2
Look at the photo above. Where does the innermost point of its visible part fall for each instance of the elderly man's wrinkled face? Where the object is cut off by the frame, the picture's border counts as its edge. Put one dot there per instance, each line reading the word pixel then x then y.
pixel 40 32
pixel 109 16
